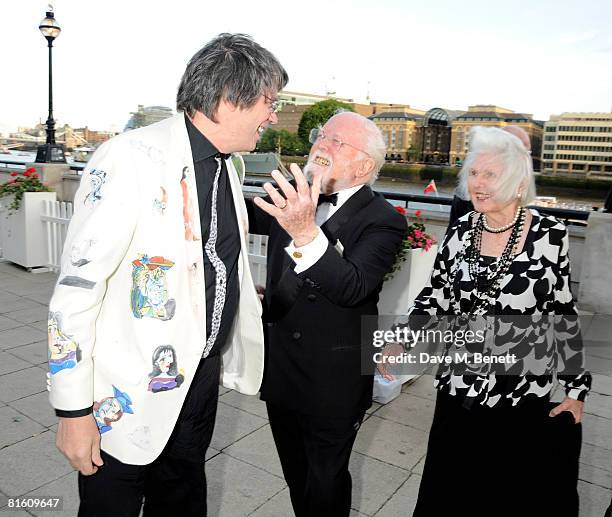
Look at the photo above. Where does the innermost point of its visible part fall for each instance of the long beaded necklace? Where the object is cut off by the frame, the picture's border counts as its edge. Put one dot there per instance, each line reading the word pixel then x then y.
pixel 487 284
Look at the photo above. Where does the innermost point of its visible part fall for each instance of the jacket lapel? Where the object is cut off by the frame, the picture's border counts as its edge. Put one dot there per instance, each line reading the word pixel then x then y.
pixel 241 217
pixel 333 226
pixel 180 170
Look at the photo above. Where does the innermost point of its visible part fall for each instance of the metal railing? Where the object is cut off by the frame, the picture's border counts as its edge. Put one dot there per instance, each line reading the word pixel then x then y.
pixel 56 217
pixel 568 216
pixel 5 164
pixel 21 165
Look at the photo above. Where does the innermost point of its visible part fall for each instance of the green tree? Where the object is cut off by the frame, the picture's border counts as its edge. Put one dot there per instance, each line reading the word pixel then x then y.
pixel 289 143
pixel 317 115
pixel 267 141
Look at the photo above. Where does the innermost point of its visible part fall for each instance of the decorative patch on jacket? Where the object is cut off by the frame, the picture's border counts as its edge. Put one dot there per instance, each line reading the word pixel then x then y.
pixel 97 179
pixel 111 409
pixel 149 294
pixel 79 251
pixel 141 437
pixel 191 225
pixel 159 204
pixel 64 351
pixel 153 153
pixel 77 281
pixel 165 374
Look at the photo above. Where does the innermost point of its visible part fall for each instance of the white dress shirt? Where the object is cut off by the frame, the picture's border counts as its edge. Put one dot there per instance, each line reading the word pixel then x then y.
pixel 307 256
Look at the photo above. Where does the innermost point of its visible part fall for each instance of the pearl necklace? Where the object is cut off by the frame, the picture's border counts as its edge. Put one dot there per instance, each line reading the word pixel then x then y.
pixel 486 288
pixel 504 228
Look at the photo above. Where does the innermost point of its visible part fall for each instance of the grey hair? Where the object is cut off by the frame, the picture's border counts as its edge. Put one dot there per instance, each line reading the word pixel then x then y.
pixel 374 141
pixel 232 67
pixel 514 157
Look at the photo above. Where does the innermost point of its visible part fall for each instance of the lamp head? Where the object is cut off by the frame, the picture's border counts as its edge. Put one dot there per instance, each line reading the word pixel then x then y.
pixel 49 27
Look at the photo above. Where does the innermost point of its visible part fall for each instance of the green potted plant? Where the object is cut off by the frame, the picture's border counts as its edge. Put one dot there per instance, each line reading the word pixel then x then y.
pixel 19 184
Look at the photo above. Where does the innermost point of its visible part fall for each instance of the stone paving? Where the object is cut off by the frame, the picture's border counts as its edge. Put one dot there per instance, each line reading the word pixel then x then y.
pixel 244 473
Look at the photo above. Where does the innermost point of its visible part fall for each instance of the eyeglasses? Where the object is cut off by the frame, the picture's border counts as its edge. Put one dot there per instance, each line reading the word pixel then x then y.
pixel 317 134
pixel 275 104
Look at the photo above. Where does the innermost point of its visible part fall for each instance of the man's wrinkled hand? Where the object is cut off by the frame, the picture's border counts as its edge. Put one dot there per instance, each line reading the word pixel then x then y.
pixel 79 440
pixel 295 211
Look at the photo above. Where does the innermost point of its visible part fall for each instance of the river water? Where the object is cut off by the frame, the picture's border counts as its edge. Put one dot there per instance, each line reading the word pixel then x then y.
pixel 565 198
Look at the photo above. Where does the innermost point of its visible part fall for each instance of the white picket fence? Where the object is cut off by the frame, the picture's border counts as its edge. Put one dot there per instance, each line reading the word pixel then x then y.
pixel 56 217
pixel 258 248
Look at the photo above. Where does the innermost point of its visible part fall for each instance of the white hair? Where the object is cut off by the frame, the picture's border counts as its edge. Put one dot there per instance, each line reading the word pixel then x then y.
pixel 515 158
pixel 374 142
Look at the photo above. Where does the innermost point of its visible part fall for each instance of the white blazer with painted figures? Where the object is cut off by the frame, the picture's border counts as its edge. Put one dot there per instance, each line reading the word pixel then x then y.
pixel 127 320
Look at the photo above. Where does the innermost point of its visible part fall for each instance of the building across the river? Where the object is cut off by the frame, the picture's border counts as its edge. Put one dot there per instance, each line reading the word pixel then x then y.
pixel 489 115
pixel 578 143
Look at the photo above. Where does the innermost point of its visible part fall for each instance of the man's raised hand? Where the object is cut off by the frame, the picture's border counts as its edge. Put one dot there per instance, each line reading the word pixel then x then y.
pixel 295 211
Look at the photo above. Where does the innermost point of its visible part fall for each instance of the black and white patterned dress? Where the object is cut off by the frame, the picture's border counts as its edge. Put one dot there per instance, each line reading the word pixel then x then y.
pixel 493 450
pixel 537 283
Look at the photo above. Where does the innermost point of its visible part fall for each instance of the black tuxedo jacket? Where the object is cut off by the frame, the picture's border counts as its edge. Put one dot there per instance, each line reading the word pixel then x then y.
pixel 316 348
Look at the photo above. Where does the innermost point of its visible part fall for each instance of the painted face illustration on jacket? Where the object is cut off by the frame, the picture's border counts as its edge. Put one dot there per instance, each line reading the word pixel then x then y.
pixel 165 374
pixel 110 409
pixel 149 295
pixel 64 352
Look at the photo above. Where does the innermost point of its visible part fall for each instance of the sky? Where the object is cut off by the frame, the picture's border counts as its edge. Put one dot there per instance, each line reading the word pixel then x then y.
pixel 532 56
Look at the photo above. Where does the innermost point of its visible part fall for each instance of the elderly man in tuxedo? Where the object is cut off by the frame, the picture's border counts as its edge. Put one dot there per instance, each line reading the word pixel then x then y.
pixel 327 257
pixel 155 297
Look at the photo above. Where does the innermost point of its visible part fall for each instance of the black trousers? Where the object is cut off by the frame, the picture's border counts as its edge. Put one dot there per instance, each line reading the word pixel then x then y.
pixel 502 462
pixel 314 454
pixel 175 483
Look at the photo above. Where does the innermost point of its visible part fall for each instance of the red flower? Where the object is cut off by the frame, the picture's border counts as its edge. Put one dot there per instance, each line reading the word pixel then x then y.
pixel 11 182
pixel 418 213
pixel 27 173
pixel 13 174
pixel 401 210
pixel 35 176
pixel 30 170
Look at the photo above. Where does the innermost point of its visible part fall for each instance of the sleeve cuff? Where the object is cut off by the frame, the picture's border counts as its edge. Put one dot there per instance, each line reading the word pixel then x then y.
pixel 308 255
pixel 577 393
pixel 73 413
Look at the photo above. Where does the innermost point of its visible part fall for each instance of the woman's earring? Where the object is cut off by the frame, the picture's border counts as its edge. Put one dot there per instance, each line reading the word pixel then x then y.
pixel 518 195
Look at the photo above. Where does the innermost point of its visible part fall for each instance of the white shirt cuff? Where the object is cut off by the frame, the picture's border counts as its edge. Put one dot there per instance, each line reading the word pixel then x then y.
pixel 308 255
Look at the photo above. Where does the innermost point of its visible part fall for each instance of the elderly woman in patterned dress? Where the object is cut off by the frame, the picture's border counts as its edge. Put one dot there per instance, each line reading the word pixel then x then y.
pixel 492 447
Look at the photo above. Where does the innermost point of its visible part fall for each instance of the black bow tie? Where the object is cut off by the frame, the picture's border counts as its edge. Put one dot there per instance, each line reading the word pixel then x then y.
pixel 331 198
pixel 223 156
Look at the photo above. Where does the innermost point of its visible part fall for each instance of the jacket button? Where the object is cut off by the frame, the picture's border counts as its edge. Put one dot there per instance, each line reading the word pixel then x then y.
pixel 296 335
pixel 311 297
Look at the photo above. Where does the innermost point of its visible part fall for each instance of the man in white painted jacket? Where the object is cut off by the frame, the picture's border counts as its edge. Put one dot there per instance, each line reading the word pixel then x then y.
pixel 155 299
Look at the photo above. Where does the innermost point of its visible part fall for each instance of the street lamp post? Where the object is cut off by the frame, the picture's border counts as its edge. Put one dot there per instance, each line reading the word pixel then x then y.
pixel 50 152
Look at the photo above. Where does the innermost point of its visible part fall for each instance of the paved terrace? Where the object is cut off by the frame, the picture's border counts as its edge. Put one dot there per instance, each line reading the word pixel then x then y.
pixel 244 473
